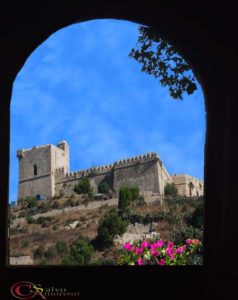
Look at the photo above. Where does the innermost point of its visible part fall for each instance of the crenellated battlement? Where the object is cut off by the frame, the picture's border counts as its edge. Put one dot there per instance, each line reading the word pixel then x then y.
pixel 98 170
pixel 139 158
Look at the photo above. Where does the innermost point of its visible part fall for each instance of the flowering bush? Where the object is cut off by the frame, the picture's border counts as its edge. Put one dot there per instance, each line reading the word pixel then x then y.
pixel 159 253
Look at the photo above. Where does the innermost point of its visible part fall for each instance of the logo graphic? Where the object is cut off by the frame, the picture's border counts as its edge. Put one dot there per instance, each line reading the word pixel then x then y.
pixel 25 290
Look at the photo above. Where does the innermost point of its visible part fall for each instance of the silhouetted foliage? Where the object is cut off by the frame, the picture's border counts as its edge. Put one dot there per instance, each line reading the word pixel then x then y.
pixel 161 60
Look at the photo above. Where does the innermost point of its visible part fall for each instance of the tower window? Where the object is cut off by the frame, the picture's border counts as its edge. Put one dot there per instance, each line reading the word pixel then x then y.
pixel 35 169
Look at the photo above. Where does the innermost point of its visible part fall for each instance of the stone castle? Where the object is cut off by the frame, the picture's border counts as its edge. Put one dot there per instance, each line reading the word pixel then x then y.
pixel 44 172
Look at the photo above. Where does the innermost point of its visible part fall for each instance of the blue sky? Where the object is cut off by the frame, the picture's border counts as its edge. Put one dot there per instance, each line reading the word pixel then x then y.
pixel 81 86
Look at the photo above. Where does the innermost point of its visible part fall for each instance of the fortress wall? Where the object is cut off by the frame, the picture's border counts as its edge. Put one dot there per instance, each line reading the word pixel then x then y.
pixel 182 185
pixel 140 171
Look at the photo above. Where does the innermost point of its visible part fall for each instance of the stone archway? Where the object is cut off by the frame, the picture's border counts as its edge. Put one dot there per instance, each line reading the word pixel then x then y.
pixel 207 42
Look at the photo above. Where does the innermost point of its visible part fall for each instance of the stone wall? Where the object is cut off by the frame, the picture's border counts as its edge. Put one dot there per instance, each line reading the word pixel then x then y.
pixel 21 260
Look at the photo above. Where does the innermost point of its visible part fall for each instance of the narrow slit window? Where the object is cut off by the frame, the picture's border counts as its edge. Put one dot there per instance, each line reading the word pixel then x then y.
pixel 35 169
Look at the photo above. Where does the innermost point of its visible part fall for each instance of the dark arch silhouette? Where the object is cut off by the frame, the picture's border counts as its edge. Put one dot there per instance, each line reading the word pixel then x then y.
pixel 208 41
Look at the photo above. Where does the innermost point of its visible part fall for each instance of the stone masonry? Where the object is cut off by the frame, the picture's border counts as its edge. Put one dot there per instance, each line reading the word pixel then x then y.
pixel 44 171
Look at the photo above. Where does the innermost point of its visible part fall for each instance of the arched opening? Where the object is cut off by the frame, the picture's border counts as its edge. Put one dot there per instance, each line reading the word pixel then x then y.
pixel 110 111
pixel 205 38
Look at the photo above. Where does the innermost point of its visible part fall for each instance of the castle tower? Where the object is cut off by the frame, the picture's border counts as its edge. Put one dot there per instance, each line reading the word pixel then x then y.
pixel 37 169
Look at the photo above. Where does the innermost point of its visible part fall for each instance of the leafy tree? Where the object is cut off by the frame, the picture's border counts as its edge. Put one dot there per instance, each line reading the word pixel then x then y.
pixel 103 188
pixel 83 186
pixel 110 226
pixel 170 189
pixel 135 194
pixel 80 253
pixel 161 60
pixel 125 198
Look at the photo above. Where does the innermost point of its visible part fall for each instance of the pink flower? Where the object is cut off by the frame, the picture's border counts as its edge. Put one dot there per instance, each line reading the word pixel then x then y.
pixel 160 243
pixel 145 244
pixel 170 244
pixel 195 242
pixel 153 246
pixel 132 249
pixel 171 256
pixel 138 251
pixel 140 261
pixel 170 253
pixel 179 250
pixel 127 246
pixel 188 241
pixel 154 253
pixel 161 262
pixel 184 247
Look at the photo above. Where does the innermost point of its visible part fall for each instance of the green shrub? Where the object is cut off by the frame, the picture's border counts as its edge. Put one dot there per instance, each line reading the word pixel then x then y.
pixel 110 226
pixel 61 248
pixel 27 202
pixel 103 187
pixel 44 221
pixel 181 235
pixel 83 186
pixel 170 189
pixel 90 195
pixel 124 198
pixel 140 201
pixel 128 195
pixel 80 253
pixel 135 194
pixel 30 219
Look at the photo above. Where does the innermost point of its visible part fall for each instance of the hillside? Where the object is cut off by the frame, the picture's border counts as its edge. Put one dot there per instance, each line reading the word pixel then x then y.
pixel 47 231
